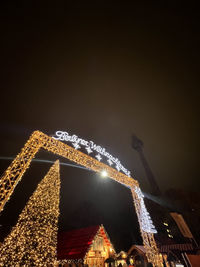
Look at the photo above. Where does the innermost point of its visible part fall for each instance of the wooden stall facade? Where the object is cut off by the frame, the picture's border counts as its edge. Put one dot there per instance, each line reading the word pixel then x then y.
pixel 89 246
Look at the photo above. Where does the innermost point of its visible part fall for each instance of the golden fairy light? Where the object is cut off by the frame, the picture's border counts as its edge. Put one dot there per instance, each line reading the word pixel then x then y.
pixel 39 140
pixel 33 241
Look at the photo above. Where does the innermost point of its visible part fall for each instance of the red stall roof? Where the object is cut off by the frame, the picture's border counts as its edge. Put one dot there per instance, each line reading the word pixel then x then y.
pixel 74 245
pixel 194 260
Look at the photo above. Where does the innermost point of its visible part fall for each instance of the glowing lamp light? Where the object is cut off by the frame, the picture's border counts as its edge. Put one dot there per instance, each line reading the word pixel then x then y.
pixel 104 174
pixel 131 261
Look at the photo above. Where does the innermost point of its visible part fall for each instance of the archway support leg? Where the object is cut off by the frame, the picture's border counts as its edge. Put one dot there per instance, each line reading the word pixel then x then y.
pixel 149 243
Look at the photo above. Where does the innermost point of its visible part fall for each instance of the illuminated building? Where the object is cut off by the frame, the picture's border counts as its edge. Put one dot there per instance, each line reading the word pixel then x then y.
pixel 121 258
pixel 137 254
pixel 90 246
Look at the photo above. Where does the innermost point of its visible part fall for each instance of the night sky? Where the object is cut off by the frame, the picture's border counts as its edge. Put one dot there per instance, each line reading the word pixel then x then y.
pixel 103 72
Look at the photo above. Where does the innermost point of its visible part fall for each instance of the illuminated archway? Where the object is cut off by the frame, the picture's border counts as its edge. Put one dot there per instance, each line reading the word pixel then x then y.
pixel 38 140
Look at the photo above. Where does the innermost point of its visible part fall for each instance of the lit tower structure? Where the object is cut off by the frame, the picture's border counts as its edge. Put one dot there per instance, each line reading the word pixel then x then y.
pixel 137 144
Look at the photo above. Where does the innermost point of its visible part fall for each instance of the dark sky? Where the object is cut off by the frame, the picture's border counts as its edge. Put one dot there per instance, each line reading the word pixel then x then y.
pixel 105 71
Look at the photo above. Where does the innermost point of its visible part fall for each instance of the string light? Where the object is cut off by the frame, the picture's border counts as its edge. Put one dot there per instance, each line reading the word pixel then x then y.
pixel 98 157
pixel 145 219
pixel 33 241
pixel 39 140
pixel 171 236
pixel 150 246
pixel 90 146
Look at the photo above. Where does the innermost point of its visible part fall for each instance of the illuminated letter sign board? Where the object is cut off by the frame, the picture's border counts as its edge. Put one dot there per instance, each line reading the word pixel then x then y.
pixel 91 147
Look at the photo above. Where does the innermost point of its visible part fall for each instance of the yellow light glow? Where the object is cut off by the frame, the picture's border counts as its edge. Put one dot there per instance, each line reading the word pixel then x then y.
pixel 103 253
pixel 104 174
pixel 91 253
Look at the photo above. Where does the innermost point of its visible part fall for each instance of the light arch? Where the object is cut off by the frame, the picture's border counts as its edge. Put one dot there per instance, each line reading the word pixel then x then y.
pixel 38 140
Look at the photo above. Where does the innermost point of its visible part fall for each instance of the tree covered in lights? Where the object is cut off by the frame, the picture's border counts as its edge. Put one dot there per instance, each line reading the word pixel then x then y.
pixel 33 241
